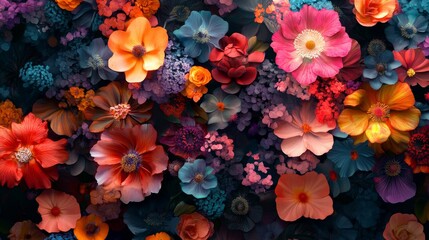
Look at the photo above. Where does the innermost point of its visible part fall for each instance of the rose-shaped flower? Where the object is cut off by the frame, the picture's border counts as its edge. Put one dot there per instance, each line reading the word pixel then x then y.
pixel 370 12
pixel 232 61
pixel 403 226
pixel 68 5
pixel 199 76
pixel 194 226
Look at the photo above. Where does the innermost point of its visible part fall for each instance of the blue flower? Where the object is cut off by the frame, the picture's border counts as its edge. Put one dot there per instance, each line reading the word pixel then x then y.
pixel 424 109
pixel 380 69
pixel 296 5
pixel 197 178
pixel 337 184
pixel 201 32
pixel 212 207
pixel 349 157
pixel 407 30
pixel 37 76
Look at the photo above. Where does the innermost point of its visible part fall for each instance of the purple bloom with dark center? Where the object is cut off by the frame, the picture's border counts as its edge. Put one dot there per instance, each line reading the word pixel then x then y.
pixel 197 178
pixel 394 179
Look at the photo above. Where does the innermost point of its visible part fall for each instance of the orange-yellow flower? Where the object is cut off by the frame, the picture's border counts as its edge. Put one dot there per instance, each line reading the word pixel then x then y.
pixel 199 76
pixel 194 92
pixel 9 113
pixel 91 227
pixel 383 117
pixel 159 236
pixel 68 5
pixel 137 50
pixel 370 12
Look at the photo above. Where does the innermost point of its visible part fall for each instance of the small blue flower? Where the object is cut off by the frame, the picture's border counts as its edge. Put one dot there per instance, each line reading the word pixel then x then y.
pixel 197 178
pixel 337 184
pixel 380 69
pixel 37 76
pixel 349 157
pixel 407 30
pixel 201 32
pixel 212 207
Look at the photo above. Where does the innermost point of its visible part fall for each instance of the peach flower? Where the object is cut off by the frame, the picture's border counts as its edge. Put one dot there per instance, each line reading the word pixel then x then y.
pixel 91 227
pixel 403 227
pixel 68 5
pixel 194 226
pixel 137 50
pixel 370 12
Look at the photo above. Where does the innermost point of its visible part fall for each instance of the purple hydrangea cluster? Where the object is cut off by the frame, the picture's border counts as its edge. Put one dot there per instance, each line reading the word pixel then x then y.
pixel 10 12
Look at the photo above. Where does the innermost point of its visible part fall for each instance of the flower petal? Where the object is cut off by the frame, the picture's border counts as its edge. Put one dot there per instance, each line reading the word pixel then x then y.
pixel 405 120
pixel 377 132
pixel 353 122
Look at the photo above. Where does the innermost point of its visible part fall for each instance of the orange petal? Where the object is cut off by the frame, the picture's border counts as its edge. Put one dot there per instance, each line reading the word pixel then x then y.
pixel 377 132
pixel 355 98
pixel 122 61
pixel 137 73
pixel 353 122
pixel 398 96
pixel 121 41
pixel 359 139
pixel 137 29
pixel 405 120
pixel 155 39
pixel 153 60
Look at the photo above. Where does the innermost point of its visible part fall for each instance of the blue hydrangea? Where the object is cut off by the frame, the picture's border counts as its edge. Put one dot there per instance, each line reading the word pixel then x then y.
pixel 56 17
pixel 422 6
pixel 296 5
pixel 380 69
pixel 34 33
pixel 212 206
pixel 37 76
pixel 197 179
pixel 61 236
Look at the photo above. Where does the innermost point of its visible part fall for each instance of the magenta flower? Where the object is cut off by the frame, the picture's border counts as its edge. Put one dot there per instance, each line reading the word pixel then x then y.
pixel 311 43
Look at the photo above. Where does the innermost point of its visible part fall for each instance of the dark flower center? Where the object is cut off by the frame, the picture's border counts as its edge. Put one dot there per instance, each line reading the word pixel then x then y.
pixel 27 236
pixel 380 68
pixel 91 229
pixel 190 138
pixel 199 177
pixel 408 31
pixel 354 155
pixel 130 162
pixel 333 175
pixel 303 197
pixel 418 148
pixel 392 168
pixel 240 206
pixel 376 47
pixel 138 51
pixel 55 211
pixel 202 36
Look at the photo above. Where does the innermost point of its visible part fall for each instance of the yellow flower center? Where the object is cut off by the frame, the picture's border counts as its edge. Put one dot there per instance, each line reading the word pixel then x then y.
pixel 411 72
pixel 309 44
pixel 240 206
pixel 306 128
pixel 120 111
pixel 130 162
pixel 379 112
pixel 23 155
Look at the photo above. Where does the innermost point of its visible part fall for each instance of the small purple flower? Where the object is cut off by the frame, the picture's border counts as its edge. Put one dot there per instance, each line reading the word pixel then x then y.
pixel 197 179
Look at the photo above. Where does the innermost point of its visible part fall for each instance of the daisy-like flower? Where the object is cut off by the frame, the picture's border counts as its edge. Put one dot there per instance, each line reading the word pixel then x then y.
pixel 415 67
pixel 417 154
pixel 130 161
pixel 303 196
pixel 304 133
pixel 137 50
pixel 311 43
pixel 383 117
pixel 59 211
pixel 91 227
pixel 197 178
pixel 26 153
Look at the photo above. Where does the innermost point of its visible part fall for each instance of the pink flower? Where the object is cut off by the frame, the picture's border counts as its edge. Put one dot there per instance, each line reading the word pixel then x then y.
pixel 304 132
pixel 403 227
pixel 311 43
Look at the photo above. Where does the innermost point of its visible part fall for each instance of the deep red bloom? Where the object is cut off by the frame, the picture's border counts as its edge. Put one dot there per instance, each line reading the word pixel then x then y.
pixel 415 67
pixel 27 153
pixel 352 67
pixel 233 63
pixel 417 155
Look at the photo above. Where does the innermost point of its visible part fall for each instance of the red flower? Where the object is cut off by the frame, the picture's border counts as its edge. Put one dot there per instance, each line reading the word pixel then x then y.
pixel 232 61
pixel 415 67
pixel 27 153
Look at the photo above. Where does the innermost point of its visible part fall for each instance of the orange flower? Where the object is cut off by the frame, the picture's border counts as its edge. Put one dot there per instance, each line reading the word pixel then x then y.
pixel 9 113
pixel 159 236
pixel 68 5
pixel 148 7
pixel 306 195
pixel 384 117
pixel 194 226
pixel 91 227
pixel 194 92
pixel 199 76
pixel 403 227
pixel 137 50
pixel 370 12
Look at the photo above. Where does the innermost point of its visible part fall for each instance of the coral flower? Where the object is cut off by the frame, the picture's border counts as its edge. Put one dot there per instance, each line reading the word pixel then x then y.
pixel 68 5
pixel 311 43
pixel 370 12
pixel 59 211
pixel 27 153
pixel 382 116
pixel 194 226
pixel 129 160
pixel 91 227
pixel 415 67
pixel 137 50
pixel 306 195
pixel 403 227
pixel 303 133
pixel 114 107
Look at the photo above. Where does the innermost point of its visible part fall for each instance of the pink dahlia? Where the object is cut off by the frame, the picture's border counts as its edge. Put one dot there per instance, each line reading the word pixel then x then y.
pixel 311 43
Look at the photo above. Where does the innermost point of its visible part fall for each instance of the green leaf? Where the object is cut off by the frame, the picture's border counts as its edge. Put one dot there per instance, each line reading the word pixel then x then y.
pixel 183 208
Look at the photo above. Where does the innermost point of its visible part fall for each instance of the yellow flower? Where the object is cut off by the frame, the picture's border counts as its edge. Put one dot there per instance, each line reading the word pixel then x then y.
pixel 199 76
pixel 159 236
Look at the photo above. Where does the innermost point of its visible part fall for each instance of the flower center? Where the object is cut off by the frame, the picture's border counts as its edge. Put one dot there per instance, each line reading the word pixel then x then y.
pixel 306 128
pixel 376 46
pixel 380 68
pixel 309 44
pixel 220 106
pixel 55 211
pixel 190 139
pixel 96 62
pixel 199 177
pixel 408 31
pixel 202 36
pixel 91 229
pixel 138 51
pixel 240 206
pixel 333 175
pixel 411 72
pixel 354 155
pixel 120 111
pixel 130 162
pixel 23 155
pixel 379 112
pixel 303 197
pixel 401 233
pixel 392 168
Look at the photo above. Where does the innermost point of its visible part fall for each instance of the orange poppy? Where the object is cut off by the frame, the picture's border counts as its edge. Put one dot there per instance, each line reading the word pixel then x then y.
pixel 91 227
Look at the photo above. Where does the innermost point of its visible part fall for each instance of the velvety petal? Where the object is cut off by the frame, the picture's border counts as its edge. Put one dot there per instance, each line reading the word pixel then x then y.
pixel 138 29
pixel 120 41
pixel 31 130
pixel 406 120
pixel 288 209
pixel 156 39
pixel 220 76
pixel 287 130
pixel 137 73
pixel 157 159
pixel 304 74
pixel 398 96
pixel 37 177
pixel 153 60
pixel 293 147
pixel 248 77
pixel 209 103
pixel 353 122
pixel 50 153
pixel 320 208
pixel 338 45
pixel 377 132
pixel 122 61
pixel 318 143
pixel 65 122
pixel 10 175
pixel 327 67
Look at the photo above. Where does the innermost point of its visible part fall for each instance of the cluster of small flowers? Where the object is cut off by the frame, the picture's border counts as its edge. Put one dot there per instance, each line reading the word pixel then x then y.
pixel 37 76
pixel 10 11
pixel 78 33
pixel 225 6
pixel 290 86
pixel 61 85
pixel 274 113
pixel 256 175
pixel 220 145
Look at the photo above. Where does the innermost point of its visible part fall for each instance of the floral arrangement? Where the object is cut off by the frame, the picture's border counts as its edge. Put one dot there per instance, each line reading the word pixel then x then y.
pixel 214 119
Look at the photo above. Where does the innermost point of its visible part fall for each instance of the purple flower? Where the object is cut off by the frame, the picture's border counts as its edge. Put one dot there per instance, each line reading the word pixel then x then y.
pixel 394 179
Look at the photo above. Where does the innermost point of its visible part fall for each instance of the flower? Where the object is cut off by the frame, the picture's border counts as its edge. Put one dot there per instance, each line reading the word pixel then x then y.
pixel 197 179
pixel 25 230
pixel 194 226
pixel 424 46
pixel 196 80
pixel 115 108
pixel 306 195
pixel 130 161
pixel 381 69
pixel 221 108
pixel 406 30
pixel 394 179
pixel 242 211
pixel 233 64
pixel 37 76
pixel 68 5
pixel 27 153
pixel 415 67
pixel 417 154
pixel 200 33
pixel 213 205
pixel 9 113
pixel 59 211
pixel 303 133
pixel 403 227
pixel 307 46
pixel 93 61
pixel 148 7
pixel 337 183
pixel 349 157
pixel 370 12
pixel 382 116
pixel 352 68
pixel 137 50
pixel 159 236
pixel 91 227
